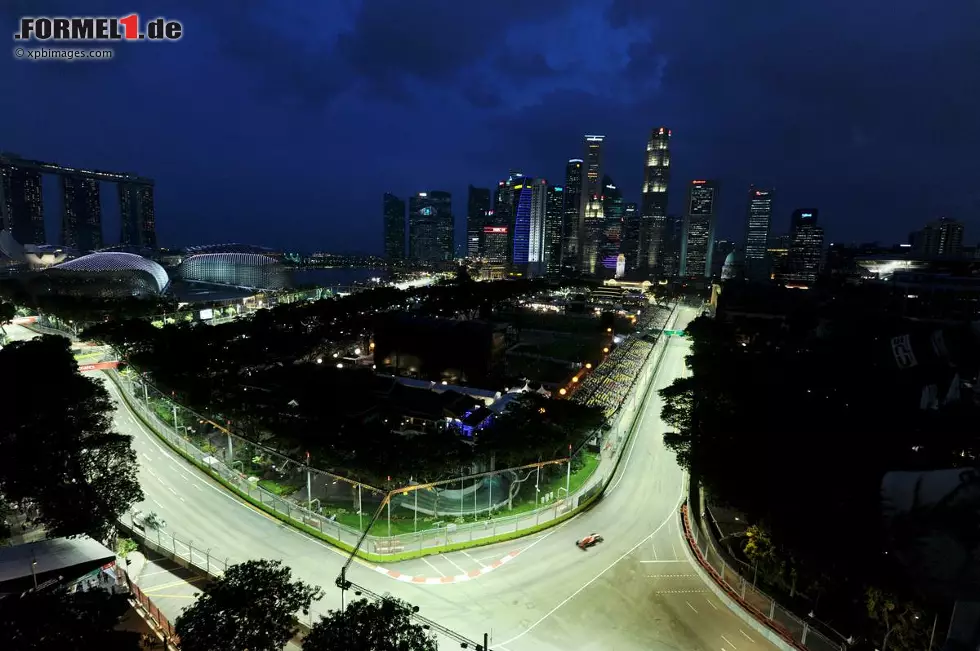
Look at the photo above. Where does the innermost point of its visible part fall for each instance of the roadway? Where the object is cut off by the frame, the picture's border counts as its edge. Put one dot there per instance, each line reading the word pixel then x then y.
pixel 634 591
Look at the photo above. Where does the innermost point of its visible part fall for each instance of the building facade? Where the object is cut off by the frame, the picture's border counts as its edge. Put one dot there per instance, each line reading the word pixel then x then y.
pixel 613 210
pixel 81 225
pixel 941 237
pixel 573 215
pixel 521 237
pixel 591 208
pixel 554 217
pixel 630 244
pixel 653 206
pixel 138 226
pixel 477 211
pixel 431 227
pixel 22 210
pixel 699 229
pixel 394 227
pixel 21 205
pixel 805 247
pixel 758 223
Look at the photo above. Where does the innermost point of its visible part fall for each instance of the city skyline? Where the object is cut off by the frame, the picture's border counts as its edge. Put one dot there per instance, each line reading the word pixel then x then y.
pixel 827 137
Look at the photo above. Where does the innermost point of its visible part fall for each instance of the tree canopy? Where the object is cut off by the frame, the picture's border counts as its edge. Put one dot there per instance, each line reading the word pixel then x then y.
pixel 58 451
pixel 253 606
pixel 795 422
pixel 370 626
pixel 534 428
pixel 55 620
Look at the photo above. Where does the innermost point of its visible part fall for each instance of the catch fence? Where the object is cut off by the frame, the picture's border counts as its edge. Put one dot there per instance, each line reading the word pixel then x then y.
pixel 802 633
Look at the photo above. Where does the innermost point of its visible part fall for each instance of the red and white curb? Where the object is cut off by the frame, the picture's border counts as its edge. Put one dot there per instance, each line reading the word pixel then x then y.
pixel 459 578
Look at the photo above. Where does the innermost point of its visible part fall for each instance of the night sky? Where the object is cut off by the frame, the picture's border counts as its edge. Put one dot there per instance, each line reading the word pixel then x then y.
pixel 282 122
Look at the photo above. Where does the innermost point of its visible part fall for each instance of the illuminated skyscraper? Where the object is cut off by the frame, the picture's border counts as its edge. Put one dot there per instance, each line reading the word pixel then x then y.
pixel 805 247
pixel 394 227
pixel 554 216
pixel 573 223
pixel 591 208
pixel 81 225
pixel 477 209
pixel 21 205
pixel 536 240
pixel 613 212
pixel 631 235
pixel 758 222
pixel 653 207
pixel 697 242
pixel 529 201
pixel 430 227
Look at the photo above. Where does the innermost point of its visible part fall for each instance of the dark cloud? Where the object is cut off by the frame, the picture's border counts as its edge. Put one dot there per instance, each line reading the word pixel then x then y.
pixel 865 111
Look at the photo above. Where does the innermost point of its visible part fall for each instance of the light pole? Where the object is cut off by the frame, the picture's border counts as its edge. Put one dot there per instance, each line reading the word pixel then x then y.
pixel 568 475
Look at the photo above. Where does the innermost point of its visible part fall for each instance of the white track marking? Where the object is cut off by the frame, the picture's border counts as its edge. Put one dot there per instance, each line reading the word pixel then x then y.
pixel 438 571
pixel 598 576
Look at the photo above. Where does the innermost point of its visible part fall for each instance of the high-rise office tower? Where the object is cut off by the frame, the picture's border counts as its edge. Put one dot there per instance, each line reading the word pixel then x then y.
pixel 431 227
pixel 671 246
pixel 806 246
pixel 477 209
pixel 612 231
pixel 503 207
pixel 21 204
pixel 529 201
pixel 138 224
pixel 591 208
pixel 573 224
pixel 758 222
pixel 81 222
pixel 941 237
pixel 631 235
pixel 653 207
pixel 539 206
pixel 394 227
pixel 697 242
pixel 554 217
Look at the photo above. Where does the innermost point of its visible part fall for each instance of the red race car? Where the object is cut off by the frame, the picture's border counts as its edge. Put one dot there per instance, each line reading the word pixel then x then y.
pixel 589 541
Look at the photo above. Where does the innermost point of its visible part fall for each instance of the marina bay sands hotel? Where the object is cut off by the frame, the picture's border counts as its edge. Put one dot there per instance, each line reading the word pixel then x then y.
pixel 22 206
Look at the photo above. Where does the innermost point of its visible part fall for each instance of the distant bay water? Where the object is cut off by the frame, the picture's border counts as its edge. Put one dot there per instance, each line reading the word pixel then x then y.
pixel 335 276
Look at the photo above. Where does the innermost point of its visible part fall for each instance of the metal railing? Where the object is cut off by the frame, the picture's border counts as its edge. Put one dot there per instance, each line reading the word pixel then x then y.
pixel 167 544
pixel 800 632
pixel 136 394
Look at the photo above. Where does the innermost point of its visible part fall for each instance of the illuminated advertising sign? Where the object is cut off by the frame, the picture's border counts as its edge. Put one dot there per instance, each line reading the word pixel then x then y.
pixel 494 229
pixel 699 182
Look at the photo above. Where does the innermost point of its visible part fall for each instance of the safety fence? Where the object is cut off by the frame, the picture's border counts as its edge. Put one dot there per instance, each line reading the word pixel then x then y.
pixel 799 632
pixel 414 520
pixel 166 543
pixel 160 621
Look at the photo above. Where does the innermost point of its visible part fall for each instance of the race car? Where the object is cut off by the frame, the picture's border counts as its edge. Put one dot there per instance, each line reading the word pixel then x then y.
pixel 589 541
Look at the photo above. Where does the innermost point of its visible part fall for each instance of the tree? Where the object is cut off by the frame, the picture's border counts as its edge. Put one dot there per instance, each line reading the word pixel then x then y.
pixel 252 606
pixel 59 452
pixel 535 428
pixel 370 626
pixel 54 620
pixel 7 313
pixel 900 623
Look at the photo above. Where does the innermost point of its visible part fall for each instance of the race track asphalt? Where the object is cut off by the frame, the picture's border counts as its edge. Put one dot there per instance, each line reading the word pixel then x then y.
pixel 635 591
